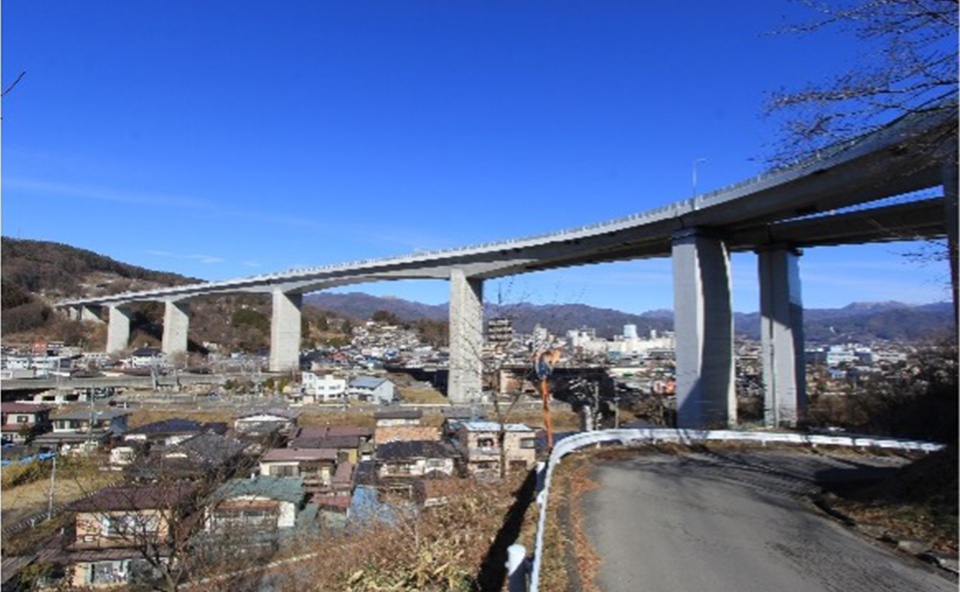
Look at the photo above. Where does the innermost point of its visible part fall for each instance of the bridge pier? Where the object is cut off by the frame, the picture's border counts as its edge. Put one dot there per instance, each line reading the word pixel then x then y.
pixel 781 337
pixel 176 324
pixel 465 381
pixel 703 327
pixel 118 329
pixel 285 331
pixel 90 314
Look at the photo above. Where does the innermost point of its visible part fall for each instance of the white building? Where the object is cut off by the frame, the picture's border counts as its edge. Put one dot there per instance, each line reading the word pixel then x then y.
pixel 370 388
pixel 323 389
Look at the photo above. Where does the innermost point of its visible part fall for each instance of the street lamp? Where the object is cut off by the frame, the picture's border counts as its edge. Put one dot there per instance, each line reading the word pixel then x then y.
pixel 696 161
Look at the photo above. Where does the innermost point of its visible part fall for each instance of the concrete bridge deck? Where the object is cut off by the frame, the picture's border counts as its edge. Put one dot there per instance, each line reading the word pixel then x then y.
pixel 775 214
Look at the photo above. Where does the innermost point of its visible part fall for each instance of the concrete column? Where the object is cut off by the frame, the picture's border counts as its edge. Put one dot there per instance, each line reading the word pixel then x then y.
pixel 90 314
pixel 951 213
pixel 781 338
pixel 285 331
pixel 465 382
pixel 703 326
pixel 176 324
pixel 118 329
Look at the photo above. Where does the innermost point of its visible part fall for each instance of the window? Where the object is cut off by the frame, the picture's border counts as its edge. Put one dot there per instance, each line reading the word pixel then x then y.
pixel 485 443
pixel 23 419
pixel 108 572
pixel 284 471
pixel 403 468
pixel 528 443
pixel 129 524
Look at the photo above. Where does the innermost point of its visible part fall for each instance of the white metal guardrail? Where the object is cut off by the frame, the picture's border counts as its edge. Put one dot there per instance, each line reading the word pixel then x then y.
pixel 516 566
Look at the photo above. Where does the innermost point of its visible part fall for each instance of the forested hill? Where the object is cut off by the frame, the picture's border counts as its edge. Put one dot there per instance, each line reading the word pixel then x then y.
pixel 38 273
pixel 56 270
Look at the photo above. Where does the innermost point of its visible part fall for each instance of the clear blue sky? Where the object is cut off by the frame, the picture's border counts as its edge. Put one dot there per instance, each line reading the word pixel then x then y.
pixel 220 139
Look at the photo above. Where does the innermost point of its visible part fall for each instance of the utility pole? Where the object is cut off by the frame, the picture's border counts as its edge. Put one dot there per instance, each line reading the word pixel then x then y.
pixel 53 482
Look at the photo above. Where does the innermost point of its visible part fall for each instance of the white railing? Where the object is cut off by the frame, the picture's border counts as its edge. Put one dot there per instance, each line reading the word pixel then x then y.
pixel 658 435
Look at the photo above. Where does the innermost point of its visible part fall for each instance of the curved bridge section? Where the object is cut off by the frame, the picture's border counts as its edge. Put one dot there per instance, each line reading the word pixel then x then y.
pixel 819 201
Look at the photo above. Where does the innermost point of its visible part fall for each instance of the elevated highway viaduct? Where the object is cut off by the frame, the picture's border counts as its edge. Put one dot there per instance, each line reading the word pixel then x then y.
pixel 839 196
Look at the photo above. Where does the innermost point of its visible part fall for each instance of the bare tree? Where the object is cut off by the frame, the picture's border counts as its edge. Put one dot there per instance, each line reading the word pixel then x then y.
pixel 912 68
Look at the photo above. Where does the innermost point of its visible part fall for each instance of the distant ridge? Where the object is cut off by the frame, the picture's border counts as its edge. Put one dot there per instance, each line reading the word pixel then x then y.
pixel 858 321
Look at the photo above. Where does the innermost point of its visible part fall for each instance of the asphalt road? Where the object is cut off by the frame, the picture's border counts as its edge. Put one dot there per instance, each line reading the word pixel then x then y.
pixel 735 522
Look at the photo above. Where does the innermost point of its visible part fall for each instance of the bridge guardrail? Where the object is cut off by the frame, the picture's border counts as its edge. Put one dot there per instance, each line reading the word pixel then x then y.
pixel 658 435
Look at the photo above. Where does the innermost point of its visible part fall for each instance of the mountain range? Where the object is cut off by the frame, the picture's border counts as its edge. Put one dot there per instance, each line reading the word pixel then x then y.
pixel 857 322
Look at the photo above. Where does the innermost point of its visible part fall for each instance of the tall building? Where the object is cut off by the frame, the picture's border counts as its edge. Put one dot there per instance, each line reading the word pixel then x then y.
pixel 499 330
pixel 629 331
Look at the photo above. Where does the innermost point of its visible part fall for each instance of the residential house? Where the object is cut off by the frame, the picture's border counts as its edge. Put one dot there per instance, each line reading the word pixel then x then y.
pixel 405 433
pixel 266 421
pixel 203 456
pixel 145 357
pixel 112 529
pixel 352 444
pixel 314 466
pixel 325 388
pixel 80 427
pixel 172 431
pixel 261 509
pixel 416 459
pixel 22 421
pixel 478 441
pixel 371 389
pixel 398 417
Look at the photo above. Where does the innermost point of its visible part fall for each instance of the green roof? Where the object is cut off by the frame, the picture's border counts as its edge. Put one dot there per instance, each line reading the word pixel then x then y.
pixel 288 489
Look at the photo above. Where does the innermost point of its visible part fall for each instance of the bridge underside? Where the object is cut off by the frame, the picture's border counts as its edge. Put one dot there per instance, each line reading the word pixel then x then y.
pixel 801 207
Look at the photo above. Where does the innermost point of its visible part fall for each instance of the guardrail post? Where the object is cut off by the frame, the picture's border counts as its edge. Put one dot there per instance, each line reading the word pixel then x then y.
pixel 516 568
pixel 541 470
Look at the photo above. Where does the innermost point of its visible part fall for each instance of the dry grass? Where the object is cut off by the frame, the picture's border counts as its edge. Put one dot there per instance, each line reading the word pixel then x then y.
pixel 76 477
pixel 144 416
pixel 442 550
pixel 422 396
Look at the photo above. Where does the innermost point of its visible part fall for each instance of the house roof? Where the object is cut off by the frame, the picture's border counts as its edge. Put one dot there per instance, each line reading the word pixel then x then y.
pixel 49 438
pixel 17 407
pixel 288 489
pixel 492 426
pixel 298 454
pixel 284 413
pixel 211 447
pixel 85 414
pixel 334 432
pixel 145 352
pixel 359 431
pixel 175 425
pixel 369 382
pixel 415 449
pixel 136 498
pixel 463 413
pixel 337 442
pixel 398 414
